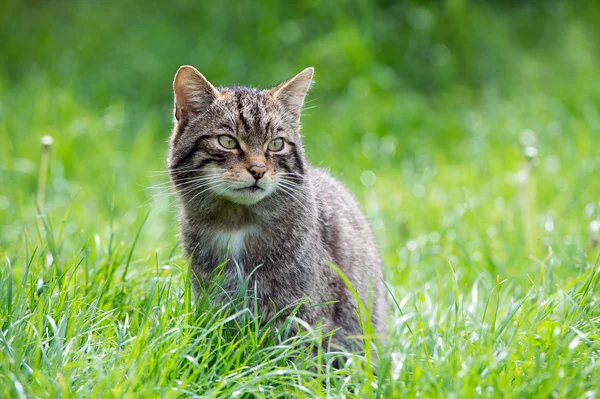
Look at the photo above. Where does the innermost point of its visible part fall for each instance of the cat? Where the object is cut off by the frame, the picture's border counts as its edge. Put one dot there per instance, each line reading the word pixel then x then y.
pixel 248 196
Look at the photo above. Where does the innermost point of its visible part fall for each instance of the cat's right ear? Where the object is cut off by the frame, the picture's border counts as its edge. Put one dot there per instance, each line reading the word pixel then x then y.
pixel 193 91
pixel 291 93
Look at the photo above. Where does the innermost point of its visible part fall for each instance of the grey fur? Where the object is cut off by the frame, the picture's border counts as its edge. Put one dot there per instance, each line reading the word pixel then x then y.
pixel 300 219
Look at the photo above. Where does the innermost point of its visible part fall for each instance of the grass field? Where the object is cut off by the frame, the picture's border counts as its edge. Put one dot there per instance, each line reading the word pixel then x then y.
pixel 469 131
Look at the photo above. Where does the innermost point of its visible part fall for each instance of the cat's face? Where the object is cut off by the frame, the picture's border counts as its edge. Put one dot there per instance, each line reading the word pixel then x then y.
pixel 238 144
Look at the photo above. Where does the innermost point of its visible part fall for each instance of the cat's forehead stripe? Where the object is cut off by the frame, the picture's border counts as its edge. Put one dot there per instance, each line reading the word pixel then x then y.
pixel 252 111
pixel 241 117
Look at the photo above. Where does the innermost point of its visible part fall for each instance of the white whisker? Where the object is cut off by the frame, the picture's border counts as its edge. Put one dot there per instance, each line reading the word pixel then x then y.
pixel 300 204
pixel 180 170
pixel 291 191
pixel 183 181
pixel 191 186
pixel 196 195
pixel 201 192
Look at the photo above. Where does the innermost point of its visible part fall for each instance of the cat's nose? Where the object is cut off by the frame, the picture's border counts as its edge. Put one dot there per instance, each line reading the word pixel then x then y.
pixel 257 171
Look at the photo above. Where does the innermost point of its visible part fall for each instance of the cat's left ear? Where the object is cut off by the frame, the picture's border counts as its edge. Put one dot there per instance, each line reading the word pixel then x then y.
pixel 193 91
pixel 291 93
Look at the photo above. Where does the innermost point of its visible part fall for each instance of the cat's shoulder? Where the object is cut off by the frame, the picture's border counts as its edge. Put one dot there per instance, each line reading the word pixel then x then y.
pixel 328 186
pixel 321 177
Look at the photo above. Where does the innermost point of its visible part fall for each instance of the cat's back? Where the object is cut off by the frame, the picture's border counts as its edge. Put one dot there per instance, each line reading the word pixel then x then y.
pixel 344 227
pixel 348 239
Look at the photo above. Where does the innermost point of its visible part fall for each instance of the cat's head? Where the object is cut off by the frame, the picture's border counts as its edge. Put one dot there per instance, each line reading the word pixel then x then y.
pixel 236 143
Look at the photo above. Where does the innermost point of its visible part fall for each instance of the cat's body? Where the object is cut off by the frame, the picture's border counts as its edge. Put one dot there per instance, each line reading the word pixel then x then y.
pixel 274 219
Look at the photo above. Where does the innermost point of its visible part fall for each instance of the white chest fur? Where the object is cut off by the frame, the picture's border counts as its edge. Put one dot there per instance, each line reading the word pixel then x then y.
pixel 234 241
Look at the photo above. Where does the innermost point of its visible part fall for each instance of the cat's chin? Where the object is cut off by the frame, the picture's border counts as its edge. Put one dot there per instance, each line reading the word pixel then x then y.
pixel 245 196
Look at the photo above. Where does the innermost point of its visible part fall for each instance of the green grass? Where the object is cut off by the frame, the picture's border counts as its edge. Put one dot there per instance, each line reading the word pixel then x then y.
pixel 427 112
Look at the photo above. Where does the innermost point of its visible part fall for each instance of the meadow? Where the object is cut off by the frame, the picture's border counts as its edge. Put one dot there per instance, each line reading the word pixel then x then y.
pixel 469 131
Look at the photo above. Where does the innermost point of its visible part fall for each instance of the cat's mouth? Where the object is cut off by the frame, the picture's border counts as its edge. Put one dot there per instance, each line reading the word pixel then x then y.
pixel 247 195
pixel 250 189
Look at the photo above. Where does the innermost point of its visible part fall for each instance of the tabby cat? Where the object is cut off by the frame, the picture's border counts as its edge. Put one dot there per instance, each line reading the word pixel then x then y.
pixel 248 196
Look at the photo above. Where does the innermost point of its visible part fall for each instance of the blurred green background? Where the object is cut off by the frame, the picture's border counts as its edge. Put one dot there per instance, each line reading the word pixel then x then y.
pixel 468 130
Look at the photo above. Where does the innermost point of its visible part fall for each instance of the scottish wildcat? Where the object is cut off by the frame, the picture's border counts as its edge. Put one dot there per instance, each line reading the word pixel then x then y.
pixel 246 191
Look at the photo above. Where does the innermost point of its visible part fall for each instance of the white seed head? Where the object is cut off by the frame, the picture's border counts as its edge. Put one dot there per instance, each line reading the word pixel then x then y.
pixel 47 140
pixel 531 152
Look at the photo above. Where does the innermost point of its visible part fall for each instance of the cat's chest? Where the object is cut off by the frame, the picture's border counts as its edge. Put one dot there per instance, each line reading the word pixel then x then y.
pixel 245 248
pixel 233 243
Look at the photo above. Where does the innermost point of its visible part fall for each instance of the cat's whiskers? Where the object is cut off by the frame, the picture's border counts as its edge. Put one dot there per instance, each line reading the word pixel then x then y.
pixel 181 170
pixel 297 188
pixel 168 188
pixel 290 193
pixel 290 183
pixel 183 181
pixel 211 187
pixel 195 178
pixel 296 193
pixel 187 187
pixel 300 177
pixel 197 186
pixel 296 177
pixel 297 185
pixel 159 173
pixel 303 198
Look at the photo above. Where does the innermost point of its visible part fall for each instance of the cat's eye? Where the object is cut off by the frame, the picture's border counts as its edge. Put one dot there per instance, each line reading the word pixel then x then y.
pixel 227 141
pixel 276 145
